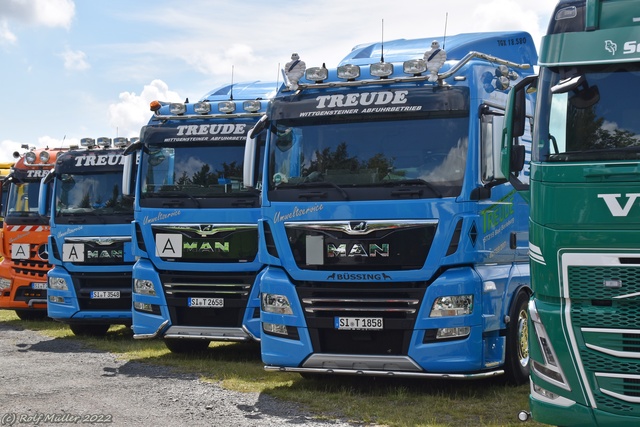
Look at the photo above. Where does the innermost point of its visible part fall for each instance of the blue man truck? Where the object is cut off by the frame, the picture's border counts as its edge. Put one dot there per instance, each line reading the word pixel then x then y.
pixel 195 228
pixel 392 242
pixel 89 286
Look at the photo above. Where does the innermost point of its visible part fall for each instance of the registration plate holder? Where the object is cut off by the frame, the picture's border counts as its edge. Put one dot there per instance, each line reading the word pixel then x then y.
pixel 359 323
pixel 205 302
pixel 105 294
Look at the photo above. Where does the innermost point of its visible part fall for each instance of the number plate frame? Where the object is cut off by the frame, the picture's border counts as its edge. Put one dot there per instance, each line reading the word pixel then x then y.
pixel 359 323
pixel 193 302
pixel 39 285
pixel 105 294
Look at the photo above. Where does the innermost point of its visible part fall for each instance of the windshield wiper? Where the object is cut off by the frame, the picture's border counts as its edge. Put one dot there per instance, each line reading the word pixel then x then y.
pixel 78 216
pixel 412 183
pixel 317 184
pixel 174 194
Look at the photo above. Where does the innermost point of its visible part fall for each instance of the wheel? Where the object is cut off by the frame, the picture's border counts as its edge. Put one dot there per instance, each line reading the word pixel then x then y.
pixel 31 314
pixel 180 345
pixel 89 330
pixel 517 354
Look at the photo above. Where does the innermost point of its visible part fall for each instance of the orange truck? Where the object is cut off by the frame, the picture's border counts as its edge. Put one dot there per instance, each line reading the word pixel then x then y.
pixel 24 234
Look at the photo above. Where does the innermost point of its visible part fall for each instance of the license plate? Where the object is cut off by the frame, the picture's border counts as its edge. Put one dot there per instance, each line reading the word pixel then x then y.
pixel 105 294
pixel 39 285
pixel 359 323
pixel 206 302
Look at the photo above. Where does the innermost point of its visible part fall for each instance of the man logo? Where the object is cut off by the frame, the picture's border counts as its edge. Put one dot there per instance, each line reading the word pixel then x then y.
pixel 360 226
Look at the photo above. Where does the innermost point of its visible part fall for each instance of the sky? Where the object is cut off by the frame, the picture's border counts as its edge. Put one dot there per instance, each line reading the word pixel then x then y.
pixel 71 69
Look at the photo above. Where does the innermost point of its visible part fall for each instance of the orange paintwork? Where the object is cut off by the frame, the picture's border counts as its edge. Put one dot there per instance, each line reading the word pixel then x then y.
pixel 23 244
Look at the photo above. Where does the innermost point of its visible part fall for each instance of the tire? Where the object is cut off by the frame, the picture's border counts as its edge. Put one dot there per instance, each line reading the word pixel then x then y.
pixel 183 346
pixel 89 330
pixel 31 314
pixel 517 354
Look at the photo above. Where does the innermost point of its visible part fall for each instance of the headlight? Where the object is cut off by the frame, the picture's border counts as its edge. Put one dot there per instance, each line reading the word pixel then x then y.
pixel 454 305
pixel 5 283
pixel 144 287
pixel 57 283
pixel 274 303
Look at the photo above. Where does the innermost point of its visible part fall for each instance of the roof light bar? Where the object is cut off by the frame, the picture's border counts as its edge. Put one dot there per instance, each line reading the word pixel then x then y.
pixel 202 107
pixel 414 66
pixel 227 107
pixel 88 142
pixel 251 106
pixel 105 142
pixel 120 141
pixel 177 108
pixel 348 72
pixel 316 74
pixel 381 69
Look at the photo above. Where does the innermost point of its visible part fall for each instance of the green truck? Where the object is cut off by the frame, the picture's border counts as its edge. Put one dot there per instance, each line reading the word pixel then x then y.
pixel 584 231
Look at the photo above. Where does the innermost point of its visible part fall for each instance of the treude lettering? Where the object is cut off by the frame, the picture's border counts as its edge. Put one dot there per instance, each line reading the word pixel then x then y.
pixel 362 99
pixel 100 160
pixel 216 129
pixel 38 173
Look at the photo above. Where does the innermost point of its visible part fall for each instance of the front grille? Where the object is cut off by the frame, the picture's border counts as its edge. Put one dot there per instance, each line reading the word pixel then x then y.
pixel 396 303
pixel 608 328
pixel 86 283
pixel 34 268
pixel 233 288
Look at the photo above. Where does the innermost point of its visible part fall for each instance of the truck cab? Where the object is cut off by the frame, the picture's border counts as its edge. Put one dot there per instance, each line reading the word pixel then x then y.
pixel 89 286
pixel 393 243
pixel 195 223
pixel 24 234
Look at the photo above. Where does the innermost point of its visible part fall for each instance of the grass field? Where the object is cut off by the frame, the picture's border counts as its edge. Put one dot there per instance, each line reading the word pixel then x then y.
pixel 385 401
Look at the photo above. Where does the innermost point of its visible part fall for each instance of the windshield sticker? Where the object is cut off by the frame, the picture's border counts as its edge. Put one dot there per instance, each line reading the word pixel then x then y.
pixel 160 217
pixel 297 212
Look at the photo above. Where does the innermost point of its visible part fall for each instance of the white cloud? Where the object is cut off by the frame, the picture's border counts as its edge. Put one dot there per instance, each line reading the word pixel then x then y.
pixel 132 111
pixel 75 60
pixel 6 36
pixel 48 13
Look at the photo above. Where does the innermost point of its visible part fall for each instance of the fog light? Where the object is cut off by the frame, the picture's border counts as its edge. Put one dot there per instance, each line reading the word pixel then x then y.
pixel 275 329
pixel 143 306
pixel 274 303
pixel 454 305
pixel 57 283
pixel 5 283
pixel 544 392
pixel 59 300
pixel 144 287
pixel 445 333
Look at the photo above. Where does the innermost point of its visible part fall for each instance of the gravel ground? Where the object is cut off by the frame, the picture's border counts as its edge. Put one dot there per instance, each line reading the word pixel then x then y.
pixel 45 381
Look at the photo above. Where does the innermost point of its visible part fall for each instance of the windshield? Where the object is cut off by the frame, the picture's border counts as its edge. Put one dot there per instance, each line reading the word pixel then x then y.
pixel 194 173
pixel 78 195
pixel 23 199
pixel 371 153
pixel 594 118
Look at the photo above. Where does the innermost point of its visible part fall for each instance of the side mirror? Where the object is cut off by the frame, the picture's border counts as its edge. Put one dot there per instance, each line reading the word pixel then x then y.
pixel 512 153
pixel 249 166
pixel 259 127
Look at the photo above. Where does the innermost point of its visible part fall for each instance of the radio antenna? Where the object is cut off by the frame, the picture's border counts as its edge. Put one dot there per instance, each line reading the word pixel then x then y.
pixel 382 43
pixel 444 39
pixel 231 93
